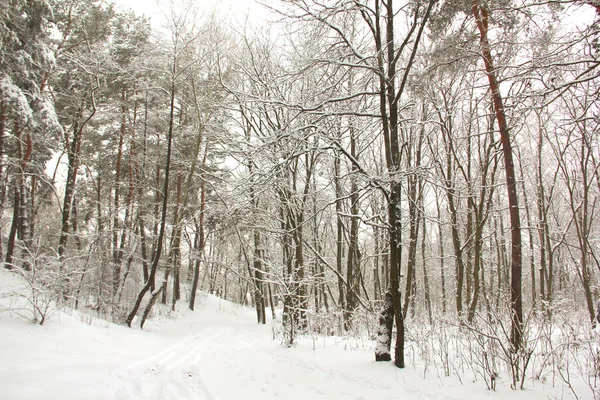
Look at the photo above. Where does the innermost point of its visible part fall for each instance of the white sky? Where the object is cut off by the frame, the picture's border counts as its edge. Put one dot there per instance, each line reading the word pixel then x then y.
pixel 237 12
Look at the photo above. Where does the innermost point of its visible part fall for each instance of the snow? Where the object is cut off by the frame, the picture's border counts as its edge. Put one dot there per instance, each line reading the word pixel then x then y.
pixel 13 95
pixel 215 352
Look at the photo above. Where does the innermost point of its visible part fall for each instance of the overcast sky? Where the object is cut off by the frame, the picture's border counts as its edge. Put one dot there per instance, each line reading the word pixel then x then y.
pixel 237 11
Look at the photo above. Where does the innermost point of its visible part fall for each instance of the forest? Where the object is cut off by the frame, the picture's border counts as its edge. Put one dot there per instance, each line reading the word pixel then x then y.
pixel 421 173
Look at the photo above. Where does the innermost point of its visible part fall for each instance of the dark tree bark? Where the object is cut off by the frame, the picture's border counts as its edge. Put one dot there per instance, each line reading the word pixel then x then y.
pixel 155 295
pixel 141 212
pixel 388 103
pixel 339 252
pixel 20 223
pixel 479 207
pixel 415 212
pixel 117 251
pixel 175 252
pixel 73 152
pixel 160 239
pixel 259 296
pixel 3 181
pixel 12 236
pixel 530 223
pixel 353 261
pixel 255 268
pixel 200 240
pixel 441 253
pixel 481 18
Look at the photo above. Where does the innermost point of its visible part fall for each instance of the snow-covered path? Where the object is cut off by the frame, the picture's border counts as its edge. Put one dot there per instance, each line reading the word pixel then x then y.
pixel 217 352
pixel 221 353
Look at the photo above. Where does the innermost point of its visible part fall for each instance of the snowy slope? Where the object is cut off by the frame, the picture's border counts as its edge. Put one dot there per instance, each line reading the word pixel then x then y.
pixel 69 357
pixel 216 352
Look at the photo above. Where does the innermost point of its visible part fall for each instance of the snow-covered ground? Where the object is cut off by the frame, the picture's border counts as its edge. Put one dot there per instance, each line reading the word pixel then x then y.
pixel 216 352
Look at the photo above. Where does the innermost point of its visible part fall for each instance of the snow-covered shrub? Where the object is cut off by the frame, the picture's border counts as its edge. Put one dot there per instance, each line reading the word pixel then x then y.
pixel 38 296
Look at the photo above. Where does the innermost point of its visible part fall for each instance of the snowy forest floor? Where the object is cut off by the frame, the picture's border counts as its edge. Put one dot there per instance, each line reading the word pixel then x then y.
pixel 215 352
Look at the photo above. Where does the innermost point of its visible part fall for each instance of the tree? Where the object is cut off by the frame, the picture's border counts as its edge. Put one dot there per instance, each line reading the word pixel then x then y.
pixel 82 34
pixel 481 15
pixel 26 112
pixel 179 43
pixel 381 59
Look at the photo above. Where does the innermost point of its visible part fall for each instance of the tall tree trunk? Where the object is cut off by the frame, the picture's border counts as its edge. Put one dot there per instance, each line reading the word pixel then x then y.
pixel 456 241
pixel 339 253
pixel 353 261
pixel 73 152
pixel 516 300
pixel 175 252
pixel 579 196
pixel 24 232
pixel 200 237
pixel 530 223
pixel 34 205
pixel 3 180
pixel 426 287
pixel 377 255
pixel 257 265
pixel 158 197
pixel 415 200
pixel 12 236
pixel 259 295
pixel 480 210
pixel 117 252
pixel 477 266
pixel 300 298
pixel 141 211
pixel 441 253
pixel 541 207
pixel 20 223
pixel 388 103
pixel 160 239
pixel 256 272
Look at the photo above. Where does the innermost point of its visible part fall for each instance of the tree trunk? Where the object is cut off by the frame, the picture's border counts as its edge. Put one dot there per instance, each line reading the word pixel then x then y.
pixel 117 251
pixel 339 253
pixel 200 240
pixel 3 181
pixel 159 241
pixel 481 18
pixel 175 255
pixel 353 261
pixel 426 287
pixel 541 207
pixel 259 296
pixel 376 258
pixel 256 272
pixel 73 151
pixel 415 211
pixel 155 295
pixel 12 236
pixel 441 253
pixel 384 332
pixel 388 100
pixel 530 223
pixel 20 224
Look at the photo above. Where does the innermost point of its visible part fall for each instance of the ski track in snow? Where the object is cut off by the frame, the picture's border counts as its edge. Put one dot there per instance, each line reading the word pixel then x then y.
pixel 168 375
